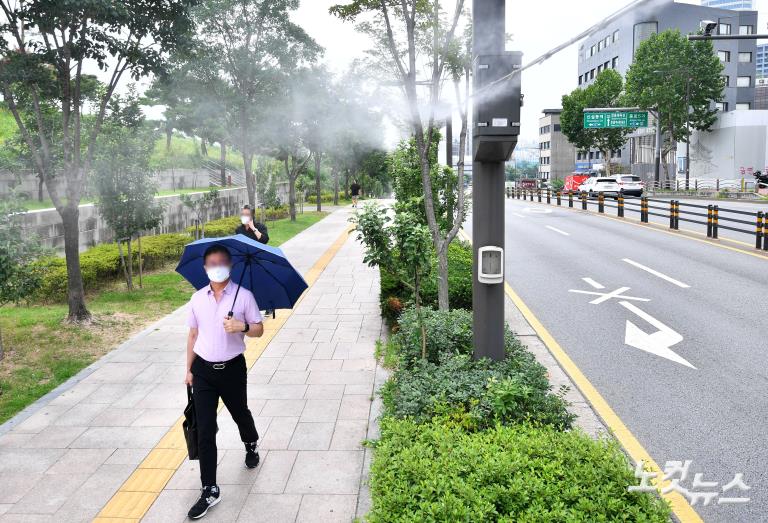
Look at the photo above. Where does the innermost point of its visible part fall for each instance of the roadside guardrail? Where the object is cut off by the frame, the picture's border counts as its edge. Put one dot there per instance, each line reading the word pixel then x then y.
pixel 754 223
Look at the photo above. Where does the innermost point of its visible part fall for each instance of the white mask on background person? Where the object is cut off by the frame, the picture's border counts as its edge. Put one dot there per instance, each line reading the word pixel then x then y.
pixel 245 220
pixel 218 274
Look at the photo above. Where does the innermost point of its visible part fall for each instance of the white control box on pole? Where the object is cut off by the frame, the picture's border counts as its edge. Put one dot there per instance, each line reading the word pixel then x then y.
pixel 491 270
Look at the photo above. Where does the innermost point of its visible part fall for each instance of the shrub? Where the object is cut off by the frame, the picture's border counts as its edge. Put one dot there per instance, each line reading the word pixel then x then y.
pixel 101 264
pixel 459 284
pixel 440 472
pixel 509 391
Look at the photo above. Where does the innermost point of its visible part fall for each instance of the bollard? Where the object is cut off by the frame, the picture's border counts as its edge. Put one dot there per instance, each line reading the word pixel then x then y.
pixel 570 199
pixel 583 201
pixel 671 214
pixel 559 198
pixel 621 205
pixel 759 231
pixel 538 194
pixel 709 220
pixel 507 193
pixel 644 209
pixel 715 213
pixel 677 215
pixel 549 197
pixel 601 202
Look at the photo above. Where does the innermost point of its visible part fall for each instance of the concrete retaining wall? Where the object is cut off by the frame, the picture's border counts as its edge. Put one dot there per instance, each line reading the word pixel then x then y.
pixel 46 224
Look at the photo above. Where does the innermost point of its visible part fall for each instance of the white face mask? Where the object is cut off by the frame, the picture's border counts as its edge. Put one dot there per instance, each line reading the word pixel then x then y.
pixel 218 274
pixel 245 220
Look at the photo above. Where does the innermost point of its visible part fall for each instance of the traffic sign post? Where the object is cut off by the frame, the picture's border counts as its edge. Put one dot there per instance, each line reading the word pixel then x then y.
pixel 615 119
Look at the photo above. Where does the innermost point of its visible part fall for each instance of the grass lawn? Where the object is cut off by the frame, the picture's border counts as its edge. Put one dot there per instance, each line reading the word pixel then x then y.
pixel 41 352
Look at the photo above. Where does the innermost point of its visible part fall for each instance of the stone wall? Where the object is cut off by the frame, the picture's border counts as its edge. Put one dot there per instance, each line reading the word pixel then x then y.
pixel 46 224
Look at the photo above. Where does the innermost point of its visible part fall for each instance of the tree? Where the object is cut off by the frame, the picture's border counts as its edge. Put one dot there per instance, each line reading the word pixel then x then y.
pixel 18 276
pixel 47 46
pixel 124 179
pixel 668 67
pixel 254 48
pixel 411 36
pixel 606 91
pixel 400 246
pixel 200 205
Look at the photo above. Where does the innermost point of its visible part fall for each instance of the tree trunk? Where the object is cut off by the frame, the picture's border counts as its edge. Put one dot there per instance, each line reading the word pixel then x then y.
pixel 40 184
pixel 123 262
pixel 335 186
pixel 141 270
pixel 318 190
pixel 203 147
pixel 78 312
pixel 291 191
pixel 443 302
pixel 130 265
pixel 607 161
pixel 250 183
pixel 168 136
pixel 223 161
pixel 417 300
pixel 346 184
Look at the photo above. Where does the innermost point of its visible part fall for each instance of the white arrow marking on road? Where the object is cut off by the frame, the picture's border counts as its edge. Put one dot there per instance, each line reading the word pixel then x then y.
pixel 538 211
pixel 558 231
pixel 657 343
pixel 593 283
pixel 518 215
pixel 605 296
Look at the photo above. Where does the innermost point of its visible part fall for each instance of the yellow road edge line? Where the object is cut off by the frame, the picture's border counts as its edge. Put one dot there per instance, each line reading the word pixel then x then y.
pixel 142 488
pixel 660 228
pixel 680 506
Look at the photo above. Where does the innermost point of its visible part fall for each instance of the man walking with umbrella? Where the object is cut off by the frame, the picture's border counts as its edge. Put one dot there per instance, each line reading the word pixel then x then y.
pixel 221 315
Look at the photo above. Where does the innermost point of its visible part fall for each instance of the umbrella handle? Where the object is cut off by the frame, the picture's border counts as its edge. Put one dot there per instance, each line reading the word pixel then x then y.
pixel 231 313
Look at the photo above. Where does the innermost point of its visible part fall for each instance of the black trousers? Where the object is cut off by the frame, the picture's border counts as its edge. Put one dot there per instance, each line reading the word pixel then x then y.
pixel 208 385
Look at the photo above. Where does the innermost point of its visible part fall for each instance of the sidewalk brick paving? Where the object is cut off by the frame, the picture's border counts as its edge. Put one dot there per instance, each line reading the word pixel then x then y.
pixel 311 392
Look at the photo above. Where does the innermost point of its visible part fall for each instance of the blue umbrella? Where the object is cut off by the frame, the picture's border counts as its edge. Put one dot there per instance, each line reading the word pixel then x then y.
pixel 262 269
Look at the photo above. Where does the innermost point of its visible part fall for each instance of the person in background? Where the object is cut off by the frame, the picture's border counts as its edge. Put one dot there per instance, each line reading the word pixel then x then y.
pixel 216 366
pixel 354 190
pixel 256 231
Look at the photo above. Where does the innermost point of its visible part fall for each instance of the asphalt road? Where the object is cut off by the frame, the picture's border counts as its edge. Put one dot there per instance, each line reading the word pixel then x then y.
pixel 706 398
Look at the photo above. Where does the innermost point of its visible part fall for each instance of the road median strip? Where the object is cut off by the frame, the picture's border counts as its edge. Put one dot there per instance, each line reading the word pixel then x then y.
pixel 137 494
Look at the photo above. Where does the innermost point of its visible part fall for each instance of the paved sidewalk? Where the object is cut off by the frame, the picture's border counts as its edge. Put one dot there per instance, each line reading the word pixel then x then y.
pixel 112 428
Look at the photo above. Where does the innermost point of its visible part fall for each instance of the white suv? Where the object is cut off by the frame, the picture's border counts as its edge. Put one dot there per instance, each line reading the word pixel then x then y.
pixel 595 186
pixel 630 185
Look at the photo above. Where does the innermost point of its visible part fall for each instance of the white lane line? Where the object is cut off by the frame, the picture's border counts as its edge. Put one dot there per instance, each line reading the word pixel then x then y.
pixel 593 283
pixel 558 231
pixel 657 274
pixel 519 215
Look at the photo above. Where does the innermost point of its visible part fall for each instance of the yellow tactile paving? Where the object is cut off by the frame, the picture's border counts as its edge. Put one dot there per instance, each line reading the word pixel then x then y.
pixel 141 489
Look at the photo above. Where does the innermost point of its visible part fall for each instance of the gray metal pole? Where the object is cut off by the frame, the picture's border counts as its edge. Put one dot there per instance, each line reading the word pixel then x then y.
pixel 688 134
pixel 657 163
pixel 487 200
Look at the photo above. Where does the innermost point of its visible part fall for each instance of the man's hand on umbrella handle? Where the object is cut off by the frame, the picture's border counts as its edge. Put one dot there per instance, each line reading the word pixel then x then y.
pixel 232 325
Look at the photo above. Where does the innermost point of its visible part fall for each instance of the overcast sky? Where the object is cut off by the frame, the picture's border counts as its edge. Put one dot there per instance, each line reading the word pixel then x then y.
pixel 536 25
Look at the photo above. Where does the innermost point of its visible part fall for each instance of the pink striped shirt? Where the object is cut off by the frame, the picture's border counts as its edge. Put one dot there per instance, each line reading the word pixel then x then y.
pixel 207 316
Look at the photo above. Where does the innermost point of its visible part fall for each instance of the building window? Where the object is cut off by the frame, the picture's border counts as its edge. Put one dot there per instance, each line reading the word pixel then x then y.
pixel 744 81
pixel 599 46
pixel 724 56
pixel 557 127
pixel 643 31
pixel 745 58
pixel 580 79
pixel 721 106
pixel 592 74
pixel 743 106
pixel 726 80
pixel 746 29
pixel 606 65
pixel 591 155
pixel 615 62
pixel 592 51
pixel 725 29
pixel 615 36
pixel 599 69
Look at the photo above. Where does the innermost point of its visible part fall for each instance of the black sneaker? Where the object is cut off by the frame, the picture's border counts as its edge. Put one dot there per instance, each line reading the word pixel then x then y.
pixel 251 455
pixel 209 497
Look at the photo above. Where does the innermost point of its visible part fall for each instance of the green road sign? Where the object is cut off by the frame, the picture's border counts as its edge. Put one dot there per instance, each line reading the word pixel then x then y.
pixel 615 120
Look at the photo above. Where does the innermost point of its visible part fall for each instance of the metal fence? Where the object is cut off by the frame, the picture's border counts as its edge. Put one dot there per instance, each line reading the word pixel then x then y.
pixel 754 224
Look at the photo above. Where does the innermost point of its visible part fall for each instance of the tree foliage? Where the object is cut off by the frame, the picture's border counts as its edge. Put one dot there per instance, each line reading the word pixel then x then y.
pixel 667 65
pixel 606 91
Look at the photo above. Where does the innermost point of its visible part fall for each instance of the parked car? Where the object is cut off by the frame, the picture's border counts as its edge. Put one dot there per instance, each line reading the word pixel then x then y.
pixel 595 186
pixel 630 185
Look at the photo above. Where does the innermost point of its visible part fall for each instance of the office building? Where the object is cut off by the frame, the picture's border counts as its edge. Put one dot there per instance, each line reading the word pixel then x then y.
pixel 735 5
pixel 614 46
pixel 761 62
pixel 556 153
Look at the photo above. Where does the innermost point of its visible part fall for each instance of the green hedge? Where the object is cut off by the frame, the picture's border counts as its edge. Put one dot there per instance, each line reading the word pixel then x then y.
pixel 438 471
pixel 226 226
pixel 100 265
pixel 395 296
